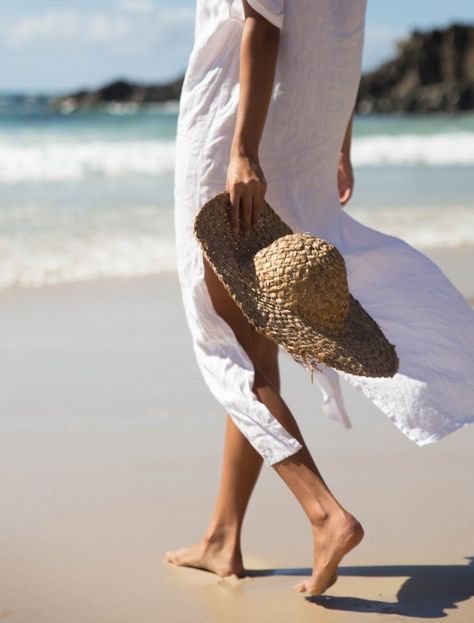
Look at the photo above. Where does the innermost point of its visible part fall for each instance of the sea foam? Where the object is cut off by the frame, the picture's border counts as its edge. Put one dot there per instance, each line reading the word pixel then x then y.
pixel 48 261
pixel 55 159
pixel 443 149
pixel 92 253
pixel 428 227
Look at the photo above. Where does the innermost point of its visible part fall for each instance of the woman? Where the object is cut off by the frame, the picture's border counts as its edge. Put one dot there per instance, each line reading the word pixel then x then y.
pixel 292 69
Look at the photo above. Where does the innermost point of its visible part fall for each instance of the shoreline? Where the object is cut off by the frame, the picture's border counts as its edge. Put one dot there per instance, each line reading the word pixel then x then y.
pixel 455 262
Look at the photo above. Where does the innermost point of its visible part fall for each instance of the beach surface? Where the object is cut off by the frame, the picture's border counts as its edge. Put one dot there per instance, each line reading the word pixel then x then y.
pixel 110 451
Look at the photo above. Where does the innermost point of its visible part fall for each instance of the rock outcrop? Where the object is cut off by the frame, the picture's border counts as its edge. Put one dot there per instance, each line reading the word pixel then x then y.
pixel 432 72
pixel 120 92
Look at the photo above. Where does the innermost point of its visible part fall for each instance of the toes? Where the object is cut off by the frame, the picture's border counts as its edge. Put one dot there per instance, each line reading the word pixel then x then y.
pixel 169 557
pixel 312 587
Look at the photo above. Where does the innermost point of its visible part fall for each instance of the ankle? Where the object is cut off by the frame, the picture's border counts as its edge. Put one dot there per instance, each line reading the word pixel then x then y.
pixel 321 517
pixel 223 536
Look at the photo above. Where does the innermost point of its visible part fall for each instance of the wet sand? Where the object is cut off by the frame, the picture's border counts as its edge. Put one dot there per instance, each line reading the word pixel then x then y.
pixel 110 448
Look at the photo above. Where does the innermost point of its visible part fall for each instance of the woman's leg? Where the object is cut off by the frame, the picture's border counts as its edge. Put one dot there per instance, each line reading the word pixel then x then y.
pixel 335 531
pixel 219 551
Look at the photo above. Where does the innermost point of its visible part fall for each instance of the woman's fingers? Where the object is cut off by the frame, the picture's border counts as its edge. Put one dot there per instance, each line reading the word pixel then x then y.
pixel 244 215
pixel 345 179
pixel 346 195
pixel 235 208
pixel 347 192
pixel 246 186
pixel 257 204
pixel 247 209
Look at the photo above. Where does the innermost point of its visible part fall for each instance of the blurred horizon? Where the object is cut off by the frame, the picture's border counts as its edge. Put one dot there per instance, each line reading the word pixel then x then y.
pixel 51 48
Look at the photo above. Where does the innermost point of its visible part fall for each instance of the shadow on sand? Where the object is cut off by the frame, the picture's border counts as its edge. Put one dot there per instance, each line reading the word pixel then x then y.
pixel 427 593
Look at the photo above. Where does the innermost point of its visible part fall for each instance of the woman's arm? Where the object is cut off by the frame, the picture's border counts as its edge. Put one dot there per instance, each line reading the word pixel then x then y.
pixel 345 174
pixel 246 183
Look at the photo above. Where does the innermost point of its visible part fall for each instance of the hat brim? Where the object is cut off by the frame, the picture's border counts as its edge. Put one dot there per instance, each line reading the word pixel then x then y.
pixel 359 348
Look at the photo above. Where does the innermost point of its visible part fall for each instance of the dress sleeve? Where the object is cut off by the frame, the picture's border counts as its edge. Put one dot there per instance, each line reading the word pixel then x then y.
pixel 272 10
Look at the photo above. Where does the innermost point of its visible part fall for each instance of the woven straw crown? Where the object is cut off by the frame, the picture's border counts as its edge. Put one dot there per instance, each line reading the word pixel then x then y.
pixel 293 288
pixel 307 274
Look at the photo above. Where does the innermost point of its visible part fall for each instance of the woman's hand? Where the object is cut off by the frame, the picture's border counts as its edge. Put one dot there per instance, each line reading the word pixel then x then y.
pixel 246 186
pixel 345 178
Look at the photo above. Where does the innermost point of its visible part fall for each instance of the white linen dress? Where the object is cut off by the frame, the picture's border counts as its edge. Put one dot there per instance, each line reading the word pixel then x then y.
pixel 420 311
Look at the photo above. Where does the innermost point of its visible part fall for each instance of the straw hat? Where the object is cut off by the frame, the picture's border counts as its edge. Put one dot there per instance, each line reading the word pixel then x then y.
pixel 293 288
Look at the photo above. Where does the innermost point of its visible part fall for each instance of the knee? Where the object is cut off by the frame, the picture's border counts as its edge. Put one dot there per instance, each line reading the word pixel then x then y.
pixel 265 361
pixel 261 379
pixel 265 353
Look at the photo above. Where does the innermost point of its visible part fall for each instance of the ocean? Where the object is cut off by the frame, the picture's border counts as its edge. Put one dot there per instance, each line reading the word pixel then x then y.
pixel 89 195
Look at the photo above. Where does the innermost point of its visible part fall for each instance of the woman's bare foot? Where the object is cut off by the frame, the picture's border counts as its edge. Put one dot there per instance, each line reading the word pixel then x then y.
pixel 332 540
pixel 212 554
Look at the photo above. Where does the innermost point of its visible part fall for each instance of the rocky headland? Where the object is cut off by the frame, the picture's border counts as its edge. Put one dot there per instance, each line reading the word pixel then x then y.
pixel 120 92
pixel 432 72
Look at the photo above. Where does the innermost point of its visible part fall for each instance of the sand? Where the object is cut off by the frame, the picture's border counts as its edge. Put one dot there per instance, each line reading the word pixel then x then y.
pixel 110 448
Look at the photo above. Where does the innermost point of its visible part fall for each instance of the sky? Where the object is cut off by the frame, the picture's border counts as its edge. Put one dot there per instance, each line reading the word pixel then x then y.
pixel 54 46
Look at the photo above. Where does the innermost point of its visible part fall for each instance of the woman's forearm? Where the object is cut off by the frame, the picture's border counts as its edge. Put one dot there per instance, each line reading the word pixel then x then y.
pixel 245 180
pixel 258 56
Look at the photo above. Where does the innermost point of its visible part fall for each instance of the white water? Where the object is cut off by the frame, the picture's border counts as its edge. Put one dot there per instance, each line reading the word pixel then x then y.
pixel 95 250
pixel 454 148
pixel 54 159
